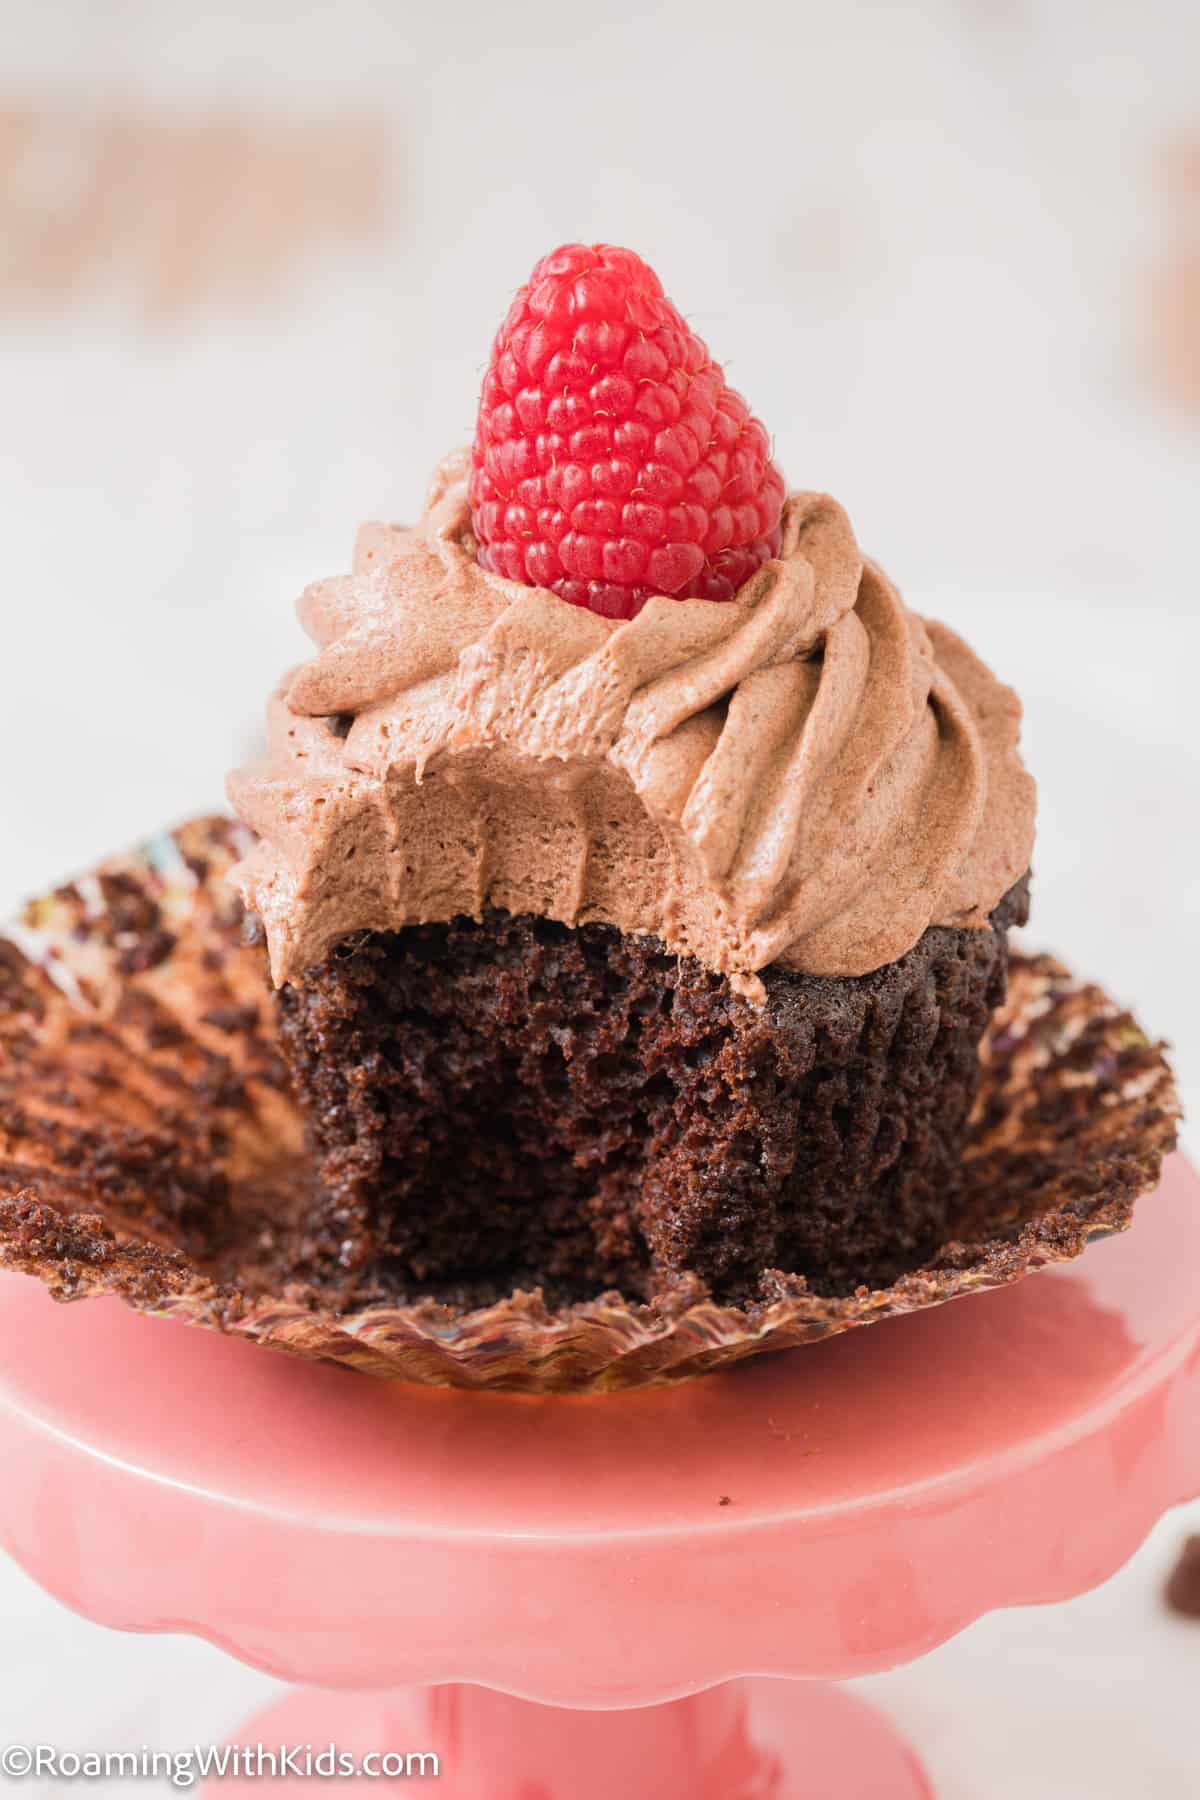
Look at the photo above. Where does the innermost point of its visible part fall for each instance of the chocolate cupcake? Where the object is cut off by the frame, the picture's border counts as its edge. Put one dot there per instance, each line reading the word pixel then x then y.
pixel 635 868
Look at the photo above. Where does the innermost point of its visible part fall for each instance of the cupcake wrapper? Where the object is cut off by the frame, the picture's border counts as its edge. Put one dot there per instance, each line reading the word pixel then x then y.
pixel 150 1148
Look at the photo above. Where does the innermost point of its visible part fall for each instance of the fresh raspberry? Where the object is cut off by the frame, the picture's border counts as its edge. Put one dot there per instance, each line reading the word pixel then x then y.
pixel 611 461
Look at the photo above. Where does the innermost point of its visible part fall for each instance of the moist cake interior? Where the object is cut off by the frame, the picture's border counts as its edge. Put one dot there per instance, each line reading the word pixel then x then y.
pixel 517 1102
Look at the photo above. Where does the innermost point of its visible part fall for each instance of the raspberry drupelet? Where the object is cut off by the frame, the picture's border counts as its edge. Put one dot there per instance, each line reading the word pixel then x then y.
pixel 611 460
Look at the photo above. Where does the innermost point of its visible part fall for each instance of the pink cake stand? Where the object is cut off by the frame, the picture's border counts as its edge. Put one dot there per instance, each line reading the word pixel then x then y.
pixel 561 1596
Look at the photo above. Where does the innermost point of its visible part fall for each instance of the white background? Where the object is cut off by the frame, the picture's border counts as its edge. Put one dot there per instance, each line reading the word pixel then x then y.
pixel 926 241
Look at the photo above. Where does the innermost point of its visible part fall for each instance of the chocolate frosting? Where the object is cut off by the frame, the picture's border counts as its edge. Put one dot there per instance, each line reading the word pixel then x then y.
pixel 806 774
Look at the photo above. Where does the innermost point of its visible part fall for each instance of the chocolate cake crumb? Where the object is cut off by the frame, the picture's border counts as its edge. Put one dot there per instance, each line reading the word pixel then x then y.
pixel 1182 1591
pixel 512 1099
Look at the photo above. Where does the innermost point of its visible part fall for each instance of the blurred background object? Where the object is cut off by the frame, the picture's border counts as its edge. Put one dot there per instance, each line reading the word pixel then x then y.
pixel 174 212
pixel 251 260
pixel 1182 1592
pixel 1175 315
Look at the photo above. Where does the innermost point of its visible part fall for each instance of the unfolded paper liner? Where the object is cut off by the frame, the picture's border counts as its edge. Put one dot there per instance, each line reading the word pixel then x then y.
pixel 149 1148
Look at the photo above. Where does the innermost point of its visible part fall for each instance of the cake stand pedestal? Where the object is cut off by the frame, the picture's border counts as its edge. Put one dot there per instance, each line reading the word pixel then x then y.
pixel 559 1596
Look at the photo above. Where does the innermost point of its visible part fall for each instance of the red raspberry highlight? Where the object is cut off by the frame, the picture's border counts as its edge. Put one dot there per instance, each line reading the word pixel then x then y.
pixel 611 461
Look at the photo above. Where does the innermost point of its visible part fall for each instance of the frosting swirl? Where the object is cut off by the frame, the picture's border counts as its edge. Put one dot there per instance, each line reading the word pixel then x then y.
pixel 806 774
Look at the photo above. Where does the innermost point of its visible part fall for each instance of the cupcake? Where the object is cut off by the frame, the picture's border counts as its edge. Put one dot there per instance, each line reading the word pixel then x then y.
pixel 634 867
